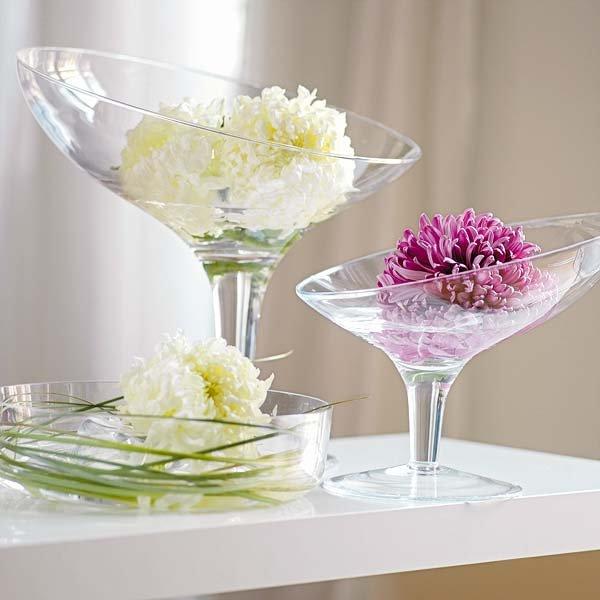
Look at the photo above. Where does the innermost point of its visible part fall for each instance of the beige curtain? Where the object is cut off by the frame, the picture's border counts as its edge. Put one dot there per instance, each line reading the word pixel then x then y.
pixel 86 280
pixel 503 97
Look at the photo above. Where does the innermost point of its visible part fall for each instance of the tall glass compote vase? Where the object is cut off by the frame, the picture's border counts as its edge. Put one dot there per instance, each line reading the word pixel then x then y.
pixel 432 327
pixel 238 173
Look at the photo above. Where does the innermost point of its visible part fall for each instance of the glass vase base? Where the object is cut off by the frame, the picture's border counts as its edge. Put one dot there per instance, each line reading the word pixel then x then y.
pixel 406 484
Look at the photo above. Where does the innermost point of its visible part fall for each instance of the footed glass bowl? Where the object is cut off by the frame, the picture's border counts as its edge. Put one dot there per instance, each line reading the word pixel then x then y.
pixel 162 137
pixel 68 441
pixel 431 328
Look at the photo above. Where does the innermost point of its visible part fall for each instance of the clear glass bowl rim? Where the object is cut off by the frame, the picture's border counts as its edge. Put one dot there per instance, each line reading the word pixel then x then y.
pixel 363 292
pixel 320 401
pixel 413 155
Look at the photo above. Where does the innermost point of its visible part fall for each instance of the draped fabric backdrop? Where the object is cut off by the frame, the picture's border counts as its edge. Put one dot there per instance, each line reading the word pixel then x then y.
pixel 88 281
pixel 504 98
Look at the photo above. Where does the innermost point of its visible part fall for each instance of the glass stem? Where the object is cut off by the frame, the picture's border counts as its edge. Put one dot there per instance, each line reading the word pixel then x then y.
pixel 427 392
pixel 237 297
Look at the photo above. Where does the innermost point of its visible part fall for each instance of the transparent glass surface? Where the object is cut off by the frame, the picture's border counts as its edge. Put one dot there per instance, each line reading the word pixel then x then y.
pixel 430 329
pixel 89 455
pixel 239 201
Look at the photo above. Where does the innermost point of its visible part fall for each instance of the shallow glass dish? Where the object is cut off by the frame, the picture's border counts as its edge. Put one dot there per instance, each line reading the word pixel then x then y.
pixel 67 441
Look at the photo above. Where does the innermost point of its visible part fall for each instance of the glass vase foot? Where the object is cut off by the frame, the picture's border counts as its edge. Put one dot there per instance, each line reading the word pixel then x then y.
pixel 408 484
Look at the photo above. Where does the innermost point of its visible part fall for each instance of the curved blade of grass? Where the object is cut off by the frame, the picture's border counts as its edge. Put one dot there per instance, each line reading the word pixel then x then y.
pixel 273 357
pixel 91 482
pixel 135 470
pixel 332 404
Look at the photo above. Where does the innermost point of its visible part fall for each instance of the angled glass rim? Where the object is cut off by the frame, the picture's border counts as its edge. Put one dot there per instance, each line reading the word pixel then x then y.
pixel 412 156
pixel 363 292
pixel 118 383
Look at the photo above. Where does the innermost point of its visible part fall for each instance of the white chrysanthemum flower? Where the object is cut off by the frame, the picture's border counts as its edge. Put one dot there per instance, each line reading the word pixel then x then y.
pixel 285 189
pixel 201 183
pixel 171 169
pixel 205 380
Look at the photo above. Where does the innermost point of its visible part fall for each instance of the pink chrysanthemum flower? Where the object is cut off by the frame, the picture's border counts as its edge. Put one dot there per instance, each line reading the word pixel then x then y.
pixel 457 244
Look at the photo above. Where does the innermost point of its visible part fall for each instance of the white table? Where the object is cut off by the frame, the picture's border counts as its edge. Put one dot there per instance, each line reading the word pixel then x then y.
pixel 65 555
